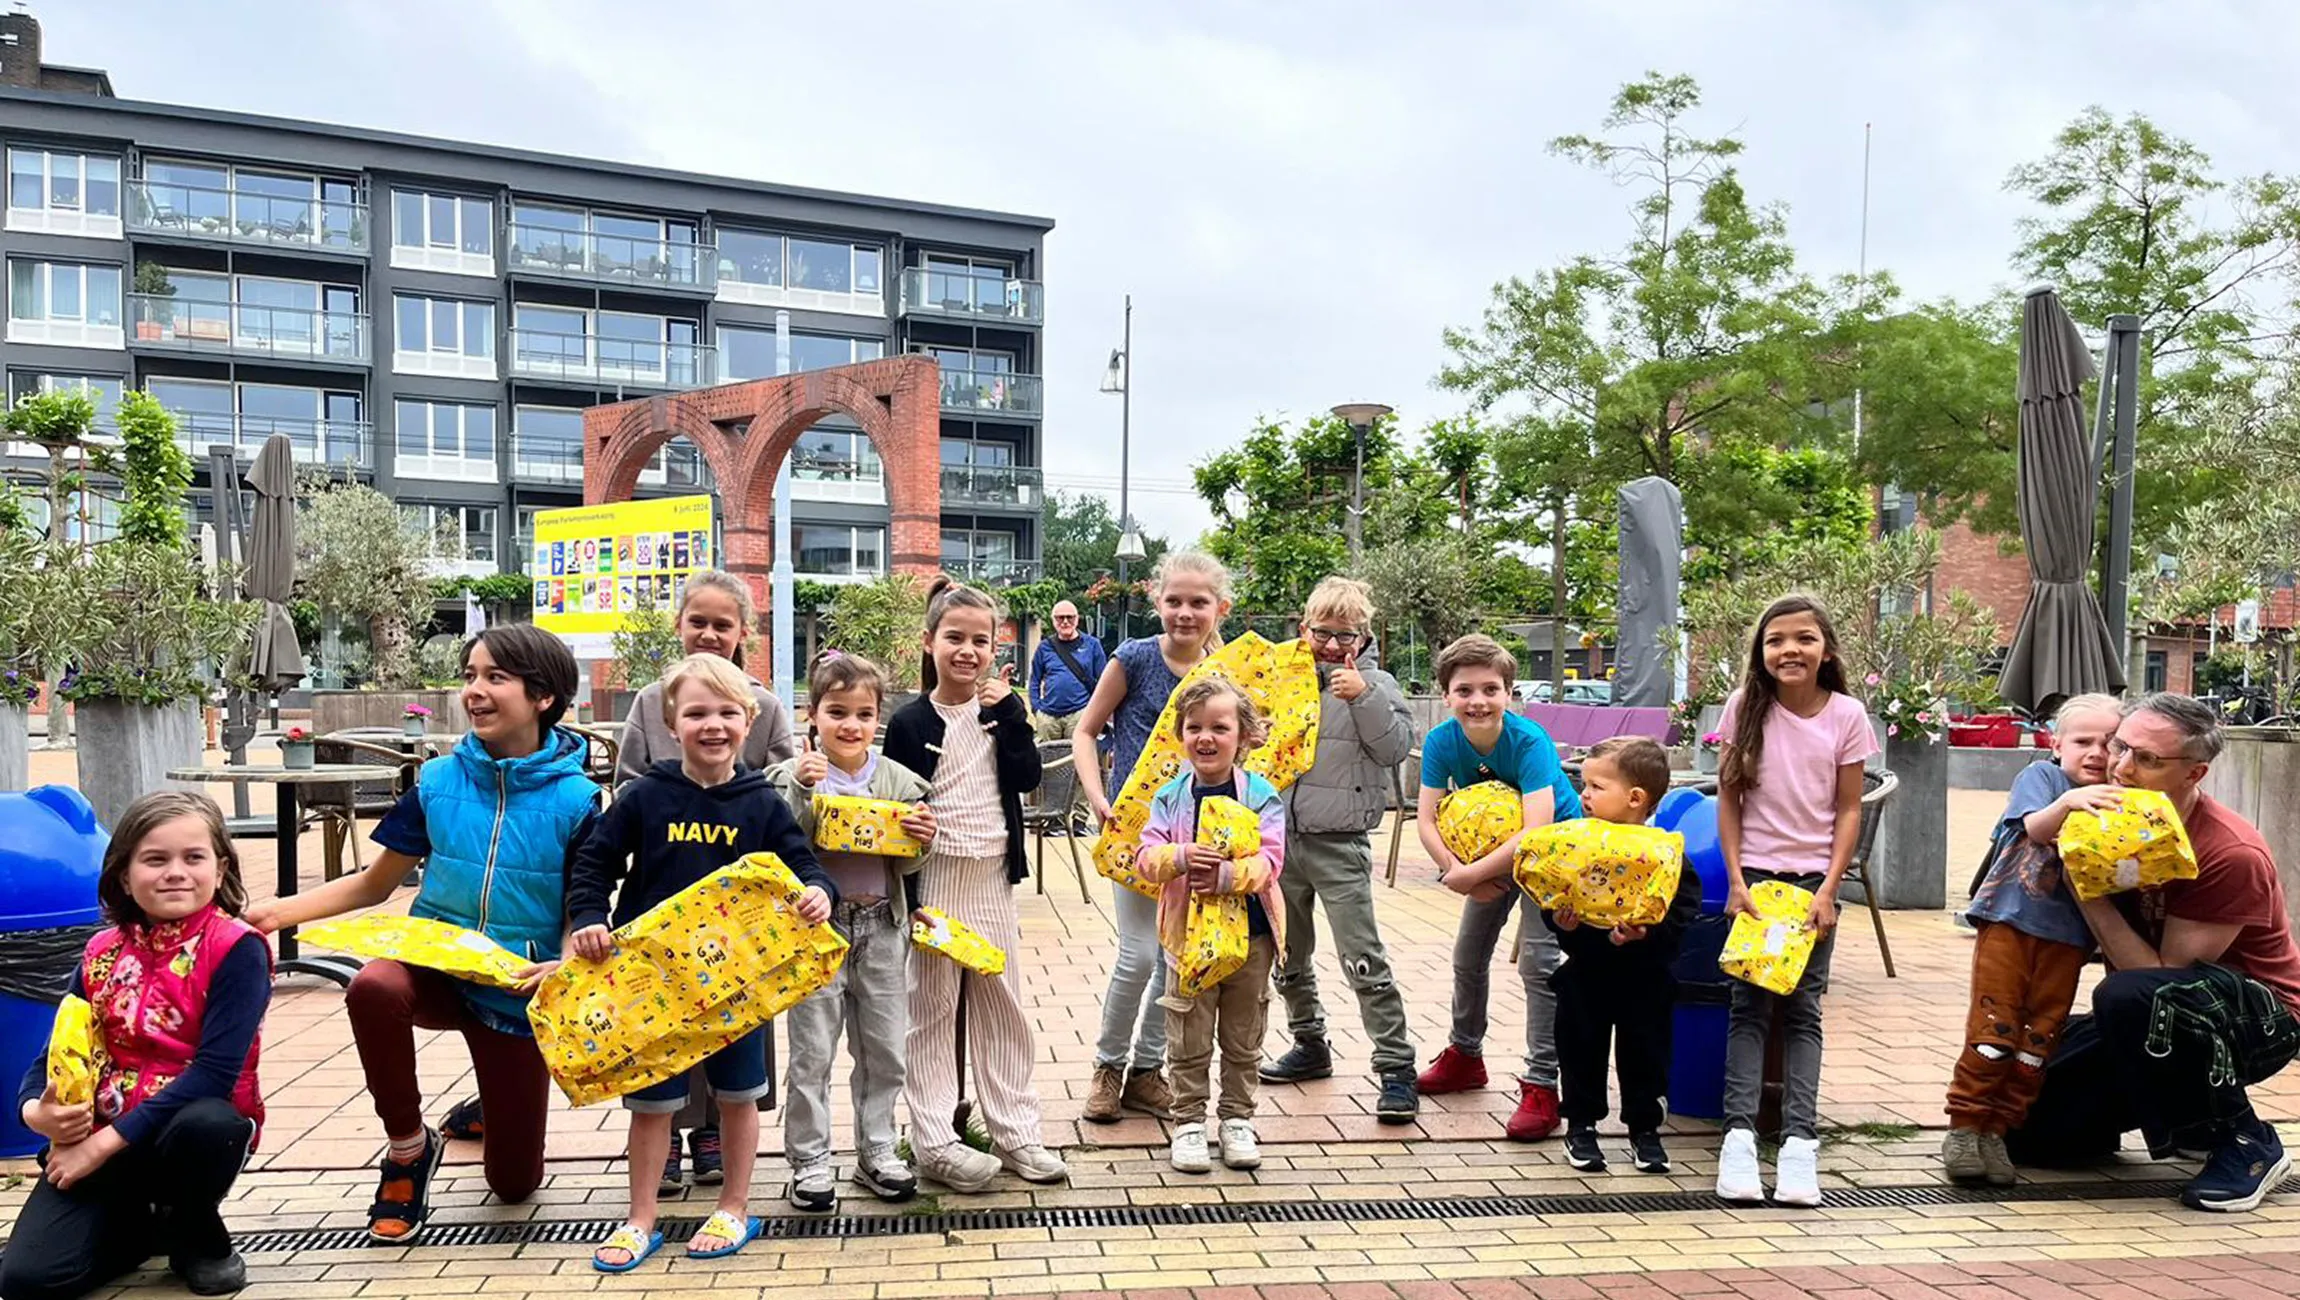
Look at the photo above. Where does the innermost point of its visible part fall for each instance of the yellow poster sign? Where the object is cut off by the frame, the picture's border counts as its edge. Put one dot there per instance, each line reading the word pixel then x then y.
pixel 594 566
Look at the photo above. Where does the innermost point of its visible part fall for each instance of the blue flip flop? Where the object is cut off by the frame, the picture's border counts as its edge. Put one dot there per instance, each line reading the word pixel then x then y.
pixel 628 1240
pixel 738 1233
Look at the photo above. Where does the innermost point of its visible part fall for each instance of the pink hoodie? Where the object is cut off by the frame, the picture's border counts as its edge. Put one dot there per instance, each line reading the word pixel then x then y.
pixel 1174 823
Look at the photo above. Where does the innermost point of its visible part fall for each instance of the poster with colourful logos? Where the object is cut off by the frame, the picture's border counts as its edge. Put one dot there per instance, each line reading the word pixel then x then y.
pixel 594 566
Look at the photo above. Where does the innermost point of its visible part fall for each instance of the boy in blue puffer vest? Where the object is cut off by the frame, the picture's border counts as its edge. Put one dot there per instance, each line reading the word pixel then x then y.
pixel 495 825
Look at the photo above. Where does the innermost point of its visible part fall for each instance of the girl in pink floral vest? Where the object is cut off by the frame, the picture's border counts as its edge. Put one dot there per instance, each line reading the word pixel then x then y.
pixel 179 985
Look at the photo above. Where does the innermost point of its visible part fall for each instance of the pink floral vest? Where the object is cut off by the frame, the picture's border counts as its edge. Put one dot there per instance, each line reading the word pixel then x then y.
pixel 148 985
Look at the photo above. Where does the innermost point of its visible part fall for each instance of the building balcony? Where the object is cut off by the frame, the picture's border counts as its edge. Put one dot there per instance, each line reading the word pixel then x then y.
pixel 590 361
pixel 993 393
pixel 612 259
pixel 996 487
pixel 976 299
pixel 982 569
pixel 225 215
pixel 163 322
pixel 315 442
pixel 557 462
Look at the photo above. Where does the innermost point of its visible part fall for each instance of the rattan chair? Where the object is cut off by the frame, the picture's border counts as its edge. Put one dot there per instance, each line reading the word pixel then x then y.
pixel 1058 807
pixel 605 747
pixel 1403 810
pixel 1876 791
pixel 337 807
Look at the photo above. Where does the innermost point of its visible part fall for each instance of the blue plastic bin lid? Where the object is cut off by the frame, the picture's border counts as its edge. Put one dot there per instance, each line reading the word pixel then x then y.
pixel 1694 816
pixel 51 855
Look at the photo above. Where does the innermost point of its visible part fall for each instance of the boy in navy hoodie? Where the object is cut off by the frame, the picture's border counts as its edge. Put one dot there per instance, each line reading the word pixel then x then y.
pixel 677 824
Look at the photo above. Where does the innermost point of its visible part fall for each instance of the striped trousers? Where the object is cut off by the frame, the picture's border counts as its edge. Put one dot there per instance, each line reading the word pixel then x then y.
pixel 975 891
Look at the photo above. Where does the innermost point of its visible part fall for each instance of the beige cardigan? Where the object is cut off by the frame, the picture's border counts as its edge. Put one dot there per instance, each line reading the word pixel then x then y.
pixel 648 739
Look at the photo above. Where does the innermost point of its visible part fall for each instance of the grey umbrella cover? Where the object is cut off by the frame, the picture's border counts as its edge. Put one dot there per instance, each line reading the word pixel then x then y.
pixel 277 658
pixel 1652 547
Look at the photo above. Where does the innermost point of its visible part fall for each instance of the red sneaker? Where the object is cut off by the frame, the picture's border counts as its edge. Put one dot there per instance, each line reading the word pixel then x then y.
pixel 1536 1116
pixel 1455 1070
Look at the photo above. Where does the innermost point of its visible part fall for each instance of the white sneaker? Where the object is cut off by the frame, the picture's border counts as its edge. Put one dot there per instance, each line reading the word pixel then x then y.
pixel 1240 1150
pixel 1035 1164
pixel 960 1167
pixel 885 1175
pixel 1797 1175
pixel 814 1188
pixel 1188 1153
pixel 1738 1178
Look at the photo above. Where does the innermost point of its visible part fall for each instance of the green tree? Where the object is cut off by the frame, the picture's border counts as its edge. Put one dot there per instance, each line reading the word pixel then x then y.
pixel 1281 502
pixel 1079 539
pixel 359 558
pixel 1941 416
pixel 59 424
pixel 881 621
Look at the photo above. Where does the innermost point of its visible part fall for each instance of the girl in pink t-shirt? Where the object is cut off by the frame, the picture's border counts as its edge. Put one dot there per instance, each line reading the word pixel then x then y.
pixel 1788 809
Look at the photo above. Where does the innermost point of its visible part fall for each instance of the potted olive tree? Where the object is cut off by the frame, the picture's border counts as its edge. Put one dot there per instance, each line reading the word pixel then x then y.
pixel 360 561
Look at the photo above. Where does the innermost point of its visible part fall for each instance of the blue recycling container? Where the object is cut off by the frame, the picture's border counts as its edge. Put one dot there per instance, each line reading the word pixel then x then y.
pixel 1704 993
pixel 51 853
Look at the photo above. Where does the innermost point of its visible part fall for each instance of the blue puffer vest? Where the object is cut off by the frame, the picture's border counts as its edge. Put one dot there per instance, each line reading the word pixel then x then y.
pixel 499 831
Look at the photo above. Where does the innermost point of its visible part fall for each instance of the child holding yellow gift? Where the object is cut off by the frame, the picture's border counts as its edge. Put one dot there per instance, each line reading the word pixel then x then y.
pixel 1788 810
pixel 1218 726
pixel 683 820
pixel 1616 993
pixel 869 997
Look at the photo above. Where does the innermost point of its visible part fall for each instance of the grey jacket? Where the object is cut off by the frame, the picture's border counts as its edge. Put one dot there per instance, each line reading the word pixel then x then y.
pixel 647 738
pixel 1360 745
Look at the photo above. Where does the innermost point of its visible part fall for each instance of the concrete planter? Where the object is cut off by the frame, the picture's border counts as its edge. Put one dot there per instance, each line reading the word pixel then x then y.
pixel 1909 866
pixel 126 750
pixel 385 710
pixel 15 747
pixel 2258 777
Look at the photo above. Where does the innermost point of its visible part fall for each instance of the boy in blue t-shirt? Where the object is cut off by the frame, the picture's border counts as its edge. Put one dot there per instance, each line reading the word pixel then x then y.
pixel 2031 944
pixel 1485 740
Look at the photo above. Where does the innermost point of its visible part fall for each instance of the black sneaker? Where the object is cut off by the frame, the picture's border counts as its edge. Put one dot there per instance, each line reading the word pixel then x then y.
pixel 464 1122
pixel 1400 1101
pixel 1645 1148
pixel 1582 1150
pixel 2241 1173
pixel 710 1169
pixel 1307 1059
pixel 674 1170
pixel 212 1276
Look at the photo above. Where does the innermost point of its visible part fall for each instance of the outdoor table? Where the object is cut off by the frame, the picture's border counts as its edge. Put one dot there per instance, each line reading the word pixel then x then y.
pixel 286 824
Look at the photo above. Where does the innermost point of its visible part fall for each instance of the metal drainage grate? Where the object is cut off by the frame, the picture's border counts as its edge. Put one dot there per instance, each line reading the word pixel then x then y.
pixel 936 1223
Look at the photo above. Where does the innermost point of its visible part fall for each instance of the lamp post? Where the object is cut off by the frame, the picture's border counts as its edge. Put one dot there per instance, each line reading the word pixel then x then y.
pixel 1360 416
pixel 1119 379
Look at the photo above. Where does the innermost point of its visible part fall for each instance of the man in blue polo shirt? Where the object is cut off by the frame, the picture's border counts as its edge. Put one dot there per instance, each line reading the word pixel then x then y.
pixel 1063 673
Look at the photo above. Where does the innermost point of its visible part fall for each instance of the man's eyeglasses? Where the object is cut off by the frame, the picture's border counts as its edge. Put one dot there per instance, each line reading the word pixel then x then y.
pixel 1065 618
pixel 1329 636
pixel 2144 760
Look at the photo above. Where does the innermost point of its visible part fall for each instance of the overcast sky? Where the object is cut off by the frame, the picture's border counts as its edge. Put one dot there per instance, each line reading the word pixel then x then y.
pixel 1300 196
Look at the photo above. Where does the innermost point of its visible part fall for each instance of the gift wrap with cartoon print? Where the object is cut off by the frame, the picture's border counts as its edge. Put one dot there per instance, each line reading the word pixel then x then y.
pixel 1281 680
pixel 75 1057
pixel 1771 948
pixel 2137 845
pixel 1475 820
pixel 847 823
pixel 1605 873
pixel 421 941
pixel 694 973
pixel 938 930
pixel 1216 934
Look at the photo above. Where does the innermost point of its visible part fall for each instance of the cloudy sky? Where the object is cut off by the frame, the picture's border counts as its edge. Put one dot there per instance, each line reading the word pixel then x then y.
pixel 1299 195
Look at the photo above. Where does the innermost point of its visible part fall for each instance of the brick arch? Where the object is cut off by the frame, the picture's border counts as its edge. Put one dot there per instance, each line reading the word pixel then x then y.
pixel 895 400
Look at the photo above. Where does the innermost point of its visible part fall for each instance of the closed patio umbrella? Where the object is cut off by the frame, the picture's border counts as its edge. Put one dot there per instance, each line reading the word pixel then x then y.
pixel 277 659
pixel 2063 646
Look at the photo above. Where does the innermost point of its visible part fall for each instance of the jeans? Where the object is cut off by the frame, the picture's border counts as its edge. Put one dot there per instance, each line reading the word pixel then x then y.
pixel 162 1194
pixel 736 1072
pixel 870 999
pixel 1234 1015
pixel 1750 1024
pixel 1538 956
pixel 1137 981
pixel 1338 871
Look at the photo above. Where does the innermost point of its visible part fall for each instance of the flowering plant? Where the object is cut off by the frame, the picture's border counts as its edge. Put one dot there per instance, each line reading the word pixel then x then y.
pixel 19 687
pixel 1910 709
pixel 295 733
pixel 417 711
pixel 1712 740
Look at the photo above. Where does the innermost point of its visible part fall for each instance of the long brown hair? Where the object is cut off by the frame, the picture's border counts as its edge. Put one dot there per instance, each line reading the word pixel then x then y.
pixel 945 595
pixel 143 817
pixel 1745 748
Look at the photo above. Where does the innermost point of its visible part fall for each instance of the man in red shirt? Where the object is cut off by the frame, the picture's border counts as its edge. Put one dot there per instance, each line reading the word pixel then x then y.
pixel 2205 998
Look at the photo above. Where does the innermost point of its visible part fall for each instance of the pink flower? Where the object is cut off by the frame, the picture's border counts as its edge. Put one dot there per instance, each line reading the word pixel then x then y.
pixel 1874 679
pixel 1893 730
pixel 1713 738
pixel 1926 717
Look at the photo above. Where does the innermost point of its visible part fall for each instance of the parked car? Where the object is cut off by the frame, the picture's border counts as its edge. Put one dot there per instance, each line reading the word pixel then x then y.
pixel 1577 691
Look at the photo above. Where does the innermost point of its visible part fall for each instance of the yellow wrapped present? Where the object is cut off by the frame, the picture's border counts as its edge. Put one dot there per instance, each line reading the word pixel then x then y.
pixel 1214 944
pixel 1229 827
pixel 2137 845
pixel 1478 819
pixel 694 973
pixel 421 941
pixel 1606 873
pixel 1771 948
pixel 1281 680
pixel 958 941
pixel 847 823
pixel 75 1052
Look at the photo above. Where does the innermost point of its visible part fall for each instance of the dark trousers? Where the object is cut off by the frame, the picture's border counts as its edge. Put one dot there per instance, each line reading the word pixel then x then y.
pixel 1624 1009
pixel 2187 1043
pixel 160 1195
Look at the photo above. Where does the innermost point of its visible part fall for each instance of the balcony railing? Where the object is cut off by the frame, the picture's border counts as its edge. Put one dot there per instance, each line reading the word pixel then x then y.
pixel 589 359
pixel 244 329
pixel 573 255
pixel 986 299
pixel 315 442
pixel 556 460
pixel 993 570
pixel 992 392
pixel 1010 486
pixel 226 215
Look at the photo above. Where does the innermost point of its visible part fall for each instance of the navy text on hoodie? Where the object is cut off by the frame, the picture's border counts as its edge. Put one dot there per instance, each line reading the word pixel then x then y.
pixel 669 833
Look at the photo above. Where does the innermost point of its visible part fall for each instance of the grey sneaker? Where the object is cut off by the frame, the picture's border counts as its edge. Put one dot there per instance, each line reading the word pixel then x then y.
pixel 960 1167
pixel 1961 1157
pixel 814 1188
pixel 1996 1162
pixel 1035 1164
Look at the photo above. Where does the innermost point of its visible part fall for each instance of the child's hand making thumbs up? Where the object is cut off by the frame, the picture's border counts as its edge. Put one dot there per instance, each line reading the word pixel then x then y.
pixel 994 690
pixel 1347 683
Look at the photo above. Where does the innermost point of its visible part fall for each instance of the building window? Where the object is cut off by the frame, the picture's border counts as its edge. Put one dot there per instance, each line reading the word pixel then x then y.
pixel 747 353
pixel 449 440
pixel 547 444
pixel 838 551
pixel 103 390
pixel 831 454
pixel 465 533
pixel 218 201
pixel 607 346
pixel 442 232
pixel 2153 675
pixel 52 192
pixel 605 245
pixel 90 516
pixel 794 270
pixel 323 426
pixel 961 546
pixel 443 336
pixel 68 303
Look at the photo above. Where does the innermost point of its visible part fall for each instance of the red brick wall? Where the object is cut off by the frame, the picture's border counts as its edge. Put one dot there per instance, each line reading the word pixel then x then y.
pixel 1974 563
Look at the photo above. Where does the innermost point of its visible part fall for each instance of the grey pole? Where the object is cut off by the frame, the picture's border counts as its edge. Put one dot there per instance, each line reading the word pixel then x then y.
pixel 2116 566
pixel 1357 518
pixel 1125 463
pixel 784 577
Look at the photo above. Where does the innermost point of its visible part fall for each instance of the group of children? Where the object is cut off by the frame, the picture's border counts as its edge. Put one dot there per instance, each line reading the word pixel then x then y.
pixel 517 843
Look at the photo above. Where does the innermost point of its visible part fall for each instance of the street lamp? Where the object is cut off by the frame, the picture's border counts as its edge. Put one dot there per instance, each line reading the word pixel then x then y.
pixel 1360 416
pixel 1119 379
